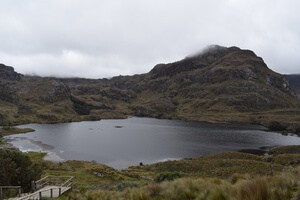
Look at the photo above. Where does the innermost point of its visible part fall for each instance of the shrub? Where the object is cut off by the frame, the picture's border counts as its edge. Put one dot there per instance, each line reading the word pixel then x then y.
pixel 167 176
pixel 17 169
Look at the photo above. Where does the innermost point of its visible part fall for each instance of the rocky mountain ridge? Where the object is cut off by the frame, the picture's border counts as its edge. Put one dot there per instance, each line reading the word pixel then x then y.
pixel 219 84
pixel 294 81
pixel 7 73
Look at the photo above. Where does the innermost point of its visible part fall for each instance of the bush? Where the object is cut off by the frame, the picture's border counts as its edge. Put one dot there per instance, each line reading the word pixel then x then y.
pixel 167 176
pixel 17 169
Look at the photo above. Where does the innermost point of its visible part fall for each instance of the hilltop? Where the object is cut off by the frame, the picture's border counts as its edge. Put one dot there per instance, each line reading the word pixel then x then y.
pixel 219 84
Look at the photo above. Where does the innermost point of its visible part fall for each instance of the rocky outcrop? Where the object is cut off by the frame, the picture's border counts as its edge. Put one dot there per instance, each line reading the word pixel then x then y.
pixel 162 107
pixel 8 92
pixel 294 82
pixel 83 108
pixel 8 89
pixel 8 73
pixel 207 57
pixel 56 91
pixel 222 78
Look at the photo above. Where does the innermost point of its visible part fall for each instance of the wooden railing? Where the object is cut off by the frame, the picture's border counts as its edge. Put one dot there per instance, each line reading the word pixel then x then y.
pixel 49 187
pixel 51 192
pixel 51 180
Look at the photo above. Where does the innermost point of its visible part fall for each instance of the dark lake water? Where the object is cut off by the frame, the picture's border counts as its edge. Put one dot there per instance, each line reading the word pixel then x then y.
pixel 121 143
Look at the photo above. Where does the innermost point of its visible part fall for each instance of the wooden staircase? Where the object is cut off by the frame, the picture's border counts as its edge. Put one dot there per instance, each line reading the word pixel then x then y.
pixel 48 187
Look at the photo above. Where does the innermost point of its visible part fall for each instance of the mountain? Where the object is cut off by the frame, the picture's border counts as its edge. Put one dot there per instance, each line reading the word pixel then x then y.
pixel 219 84
pixel 294 80
pixel 220 79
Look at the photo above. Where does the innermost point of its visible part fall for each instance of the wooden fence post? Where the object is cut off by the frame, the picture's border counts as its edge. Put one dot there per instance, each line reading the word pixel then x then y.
pixel 20 191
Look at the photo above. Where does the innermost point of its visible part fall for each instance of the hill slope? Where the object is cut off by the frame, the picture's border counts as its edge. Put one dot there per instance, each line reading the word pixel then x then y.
pixel 220 84
pixel 294 80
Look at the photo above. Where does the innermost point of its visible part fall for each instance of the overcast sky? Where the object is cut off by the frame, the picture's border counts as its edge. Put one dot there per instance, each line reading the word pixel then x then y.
pixel 104 38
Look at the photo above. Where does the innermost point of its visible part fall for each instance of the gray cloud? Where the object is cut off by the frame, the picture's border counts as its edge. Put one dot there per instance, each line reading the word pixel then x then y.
pixel 103 38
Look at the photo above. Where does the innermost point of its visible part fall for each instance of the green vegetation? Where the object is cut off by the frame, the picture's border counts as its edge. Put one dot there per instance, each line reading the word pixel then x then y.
pixel 87 174
pixel 167 176
pixel 221 165
pixel 17 169
pixel 278 187
pixel 227 175
pixel 8 130
pixel 36 157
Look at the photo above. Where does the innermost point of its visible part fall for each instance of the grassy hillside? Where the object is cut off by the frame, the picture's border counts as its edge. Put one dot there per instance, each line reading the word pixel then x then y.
pixel 229 175
pixel 281 186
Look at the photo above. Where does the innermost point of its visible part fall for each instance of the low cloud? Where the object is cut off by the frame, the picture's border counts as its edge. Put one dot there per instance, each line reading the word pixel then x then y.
pixel 107 38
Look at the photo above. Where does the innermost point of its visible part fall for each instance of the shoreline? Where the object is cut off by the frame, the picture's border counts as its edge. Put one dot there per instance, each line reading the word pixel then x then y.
pixel 15 130
pixel 11 131
pixel 287 130
pixel 270 119
pixel 259 151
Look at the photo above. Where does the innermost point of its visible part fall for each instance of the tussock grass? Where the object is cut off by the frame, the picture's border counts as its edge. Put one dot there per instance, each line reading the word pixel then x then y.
pixel 278 187
pixel 221 176
pixel 221 165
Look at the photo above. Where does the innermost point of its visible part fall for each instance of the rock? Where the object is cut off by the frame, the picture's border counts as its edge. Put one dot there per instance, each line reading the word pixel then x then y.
pixel 8 92
pixel 84 108
pixel 294 82
pixel 117 94
pixel 141 111
pixel 297 131
pixel 8 73
pixel 276 126
pixel 56 91
pixel 47 117
pixel 80 107
pixel 210 55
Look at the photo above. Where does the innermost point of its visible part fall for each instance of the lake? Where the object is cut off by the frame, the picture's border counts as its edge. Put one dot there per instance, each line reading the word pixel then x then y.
pixel 125 142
